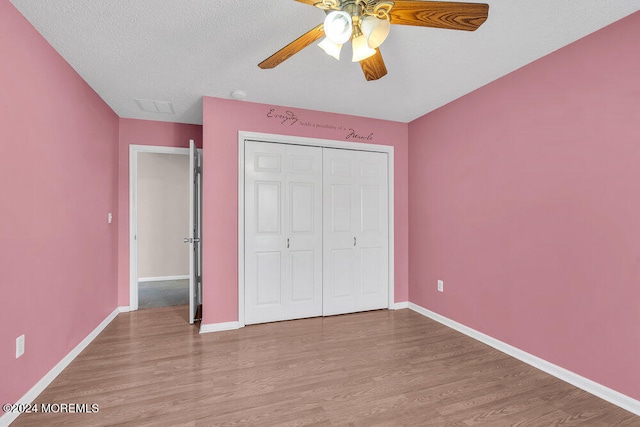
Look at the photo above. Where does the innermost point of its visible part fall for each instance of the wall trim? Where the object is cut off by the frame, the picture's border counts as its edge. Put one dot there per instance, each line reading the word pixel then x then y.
pixel 244 136
pixel 603 392
pixel 124 309
pixel 401 305
pixel 38 388
pixel 219 327
pixel 163 278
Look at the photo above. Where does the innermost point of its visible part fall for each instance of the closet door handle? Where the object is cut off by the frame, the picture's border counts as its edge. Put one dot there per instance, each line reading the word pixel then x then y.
pixel 287 243
pixel 354 241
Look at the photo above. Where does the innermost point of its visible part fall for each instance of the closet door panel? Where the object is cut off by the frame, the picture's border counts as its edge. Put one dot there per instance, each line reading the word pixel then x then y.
pixel 370 263
pixel 304 231
pixel 268 278
pixel 264 244
pixel 342 277
pixel 283 232
pixel 356 231
pixel 302 205
pixel 373 244
pixel 340 217
pixel 302 276
pixel 341 208
pixel 267 209
pixel 370 197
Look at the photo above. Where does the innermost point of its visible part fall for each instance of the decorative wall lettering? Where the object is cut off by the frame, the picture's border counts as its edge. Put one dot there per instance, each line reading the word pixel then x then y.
pixel 290 118
pixel 287 117
pixel 353 135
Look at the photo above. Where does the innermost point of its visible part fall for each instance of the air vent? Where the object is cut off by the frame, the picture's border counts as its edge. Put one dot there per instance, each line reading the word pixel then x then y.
pixel 150 106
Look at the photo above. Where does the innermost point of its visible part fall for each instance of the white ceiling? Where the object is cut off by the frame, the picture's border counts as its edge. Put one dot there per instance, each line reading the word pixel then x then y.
pixel 179 51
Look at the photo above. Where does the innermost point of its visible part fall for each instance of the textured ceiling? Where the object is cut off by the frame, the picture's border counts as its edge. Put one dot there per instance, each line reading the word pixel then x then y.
pixel 179 51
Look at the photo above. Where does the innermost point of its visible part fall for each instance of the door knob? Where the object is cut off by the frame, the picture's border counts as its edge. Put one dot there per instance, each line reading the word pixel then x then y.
pixel 186 240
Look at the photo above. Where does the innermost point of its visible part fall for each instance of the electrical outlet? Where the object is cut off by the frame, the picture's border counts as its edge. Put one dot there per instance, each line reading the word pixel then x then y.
pixel 19 346
pixel 440 286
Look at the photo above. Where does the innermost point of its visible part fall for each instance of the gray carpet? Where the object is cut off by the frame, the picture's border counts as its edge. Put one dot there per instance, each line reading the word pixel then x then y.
pixel 163 294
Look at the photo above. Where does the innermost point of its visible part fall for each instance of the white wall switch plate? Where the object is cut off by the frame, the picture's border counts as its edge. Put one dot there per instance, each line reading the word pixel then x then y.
pixel 440 286
pixel 19 346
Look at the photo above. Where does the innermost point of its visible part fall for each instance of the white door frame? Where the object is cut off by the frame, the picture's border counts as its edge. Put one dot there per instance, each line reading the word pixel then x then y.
pixel 285 139
pixel 133 211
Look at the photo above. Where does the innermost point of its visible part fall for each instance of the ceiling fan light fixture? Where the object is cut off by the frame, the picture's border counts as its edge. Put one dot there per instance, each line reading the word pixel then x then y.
pixel 375 30
pixel 346 19
pixel 330 48
pixel 338 26
pixel 361 49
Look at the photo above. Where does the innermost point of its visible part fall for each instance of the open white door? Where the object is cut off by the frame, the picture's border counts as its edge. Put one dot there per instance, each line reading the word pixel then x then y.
pixel 195 223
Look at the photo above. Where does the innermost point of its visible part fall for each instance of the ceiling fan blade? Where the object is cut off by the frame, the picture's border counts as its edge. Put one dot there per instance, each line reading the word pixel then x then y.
pixel 292 48
pixel 439 14
pixel 309 2
pixel 373 67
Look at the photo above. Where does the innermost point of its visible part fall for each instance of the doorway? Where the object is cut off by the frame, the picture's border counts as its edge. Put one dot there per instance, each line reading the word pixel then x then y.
pixel 165 250
pixel 163 221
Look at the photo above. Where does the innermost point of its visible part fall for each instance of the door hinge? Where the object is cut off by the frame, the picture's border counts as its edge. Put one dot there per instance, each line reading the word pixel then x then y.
pixel 198 315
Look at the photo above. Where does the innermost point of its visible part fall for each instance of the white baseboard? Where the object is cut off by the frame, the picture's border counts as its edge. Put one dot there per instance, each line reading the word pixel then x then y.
pixel 124 309
pixel 610 395
pixel 400 305
pixel 218 327
pixel 31 395
pixel 162 279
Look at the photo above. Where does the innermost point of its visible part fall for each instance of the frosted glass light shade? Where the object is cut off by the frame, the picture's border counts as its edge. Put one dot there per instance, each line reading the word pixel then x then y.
pixel 375 30
pixel 338 26
pixel 360 49
pixel 330 48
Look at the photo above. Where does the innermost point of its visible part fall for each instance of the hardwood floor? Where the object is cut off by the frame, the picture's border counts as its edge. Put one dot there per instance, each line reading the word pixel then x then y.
pixel 376 368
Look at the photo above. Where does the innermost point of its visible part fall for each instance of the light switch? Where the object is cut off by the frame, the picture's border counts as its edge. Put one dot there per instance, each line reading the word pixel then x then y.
pixel 110 217
pixel 19 346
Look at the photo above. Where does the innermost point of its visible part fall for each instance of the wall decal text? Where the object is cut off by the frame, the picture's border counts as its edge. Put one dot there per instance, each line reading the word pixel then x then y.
pixel 290 118
pixel 286 117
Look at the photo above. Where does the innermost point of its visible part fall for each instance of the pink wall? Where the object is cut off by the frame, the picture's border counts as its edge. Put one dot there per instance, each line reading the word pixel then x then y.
pixel 58 181
pixel 524 200
pixel 142 132
pixel 222 121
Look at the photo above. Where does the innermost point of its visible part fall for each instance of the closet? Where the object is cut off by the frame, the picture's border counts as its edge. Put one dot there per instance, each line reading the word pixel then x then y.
pixel 316 240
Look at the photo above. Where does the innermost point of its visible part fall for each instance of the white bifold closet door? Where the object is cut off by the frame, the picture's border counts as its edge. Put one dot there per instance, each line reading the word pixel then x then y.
pixel 356 231
pixel 283 232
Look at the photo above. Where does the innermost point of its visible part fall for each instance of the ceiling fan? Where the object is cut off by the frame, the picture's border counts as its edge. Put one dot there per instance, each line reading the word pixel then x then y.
pixel 366 24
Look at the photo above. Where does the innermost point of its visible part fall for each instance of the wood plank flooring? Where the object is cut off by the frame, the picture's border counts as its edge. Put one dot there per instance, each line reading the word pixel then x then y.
pixel 367 369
